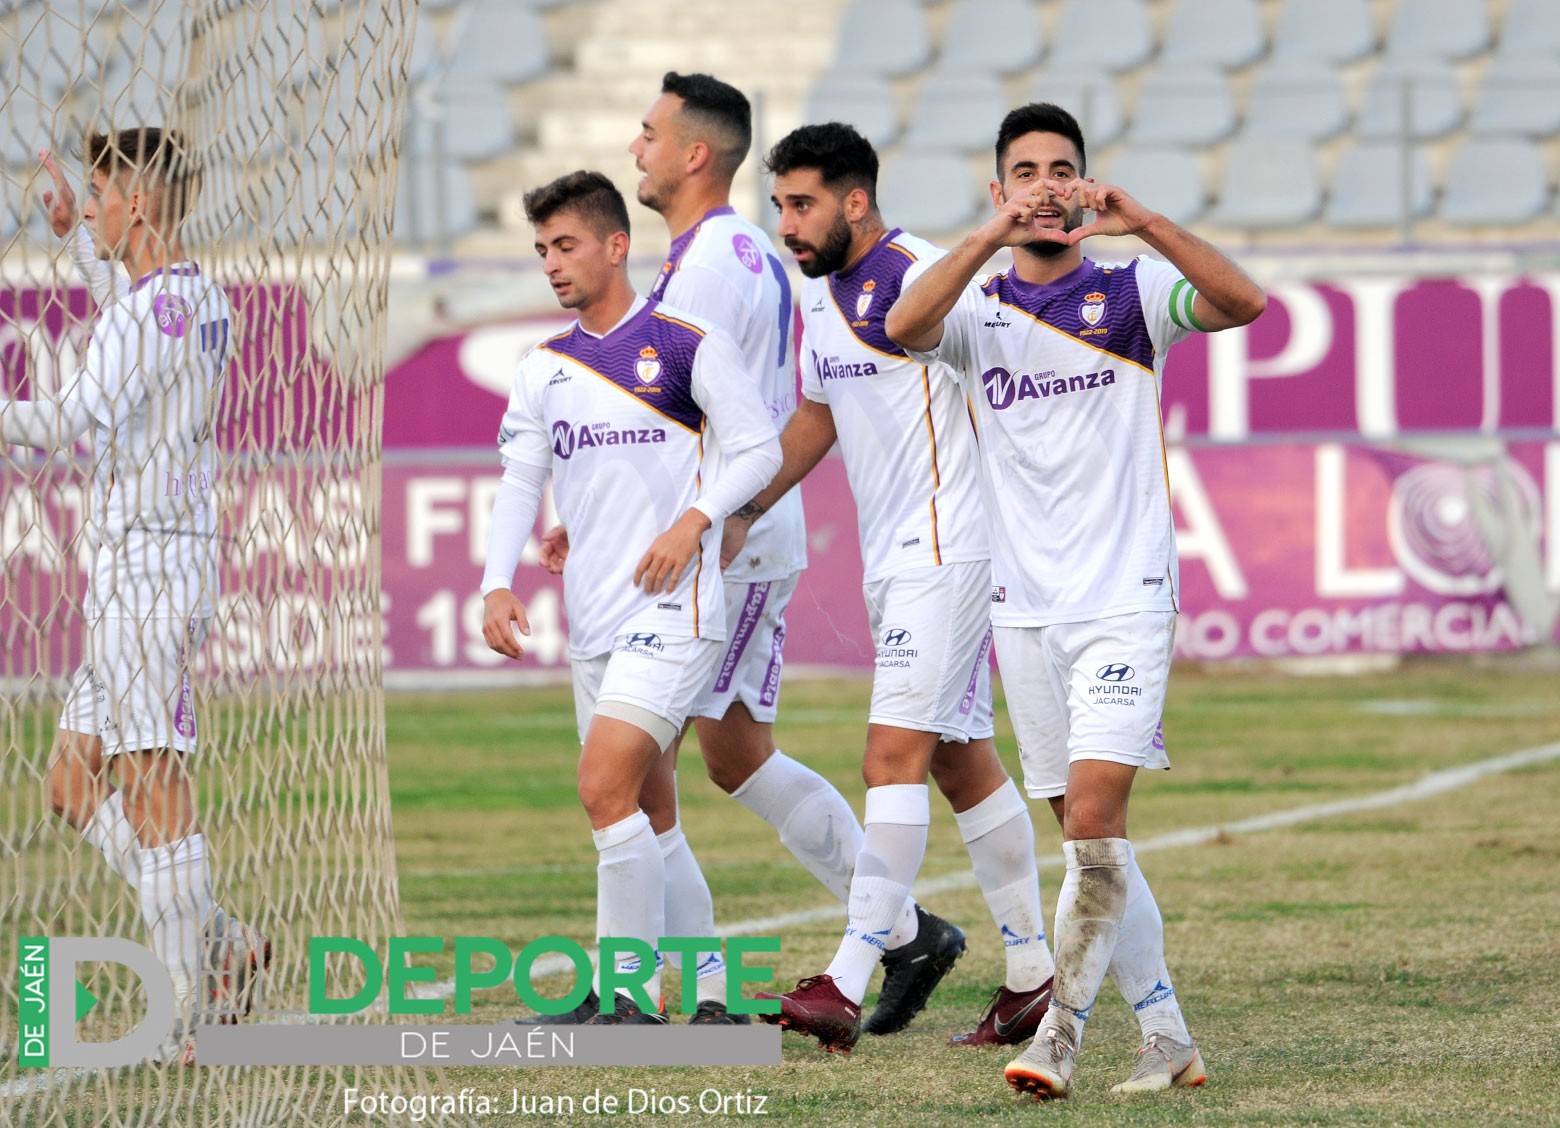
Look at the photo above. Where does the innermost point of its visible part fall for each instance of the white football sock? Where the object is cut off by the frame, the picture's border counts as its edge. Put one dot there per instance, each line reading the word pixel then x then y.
pixel 813 819
pixel 892 850
pixel 631 890
pixel 1088 918
pixel 176 901
pixel 690 911
pixel 1000 837
pixel 1138 964
pixel 817 825
pixel 110 831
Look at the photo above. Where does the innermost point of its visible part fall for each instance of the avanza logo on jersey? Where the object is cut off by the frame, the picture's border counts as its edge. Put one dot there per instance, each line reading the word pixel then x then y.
pixel 569 440
pixel 833 368
pixel 1004 389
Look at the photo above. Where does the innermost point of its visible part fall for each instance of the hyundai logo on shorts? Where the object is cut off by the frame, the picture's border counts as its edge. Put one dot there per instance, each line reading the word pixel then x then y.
pixel 644 641
pixel 1116 672
pixel 898 636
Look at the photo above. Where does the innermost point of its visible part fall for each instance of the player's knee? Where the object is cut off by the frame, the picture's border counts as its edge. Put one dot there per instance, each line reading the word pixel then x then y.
pixel 606 800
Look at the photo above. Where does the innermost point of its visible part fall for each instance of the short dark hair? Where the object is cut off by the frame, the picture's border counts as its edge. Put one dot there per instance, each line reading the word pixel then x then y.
pixel 1039 117
pixel 589 194
pixel 162 156
pixel 720 107
pixel 845 160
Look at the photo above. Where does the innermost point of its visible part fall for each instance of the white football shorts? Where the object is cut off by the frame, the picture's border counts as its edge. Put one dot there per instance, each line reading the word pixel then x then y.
pixel 932 631
pixel 750 664
pixel 133 689
pixel 1086 691
pixel 657 673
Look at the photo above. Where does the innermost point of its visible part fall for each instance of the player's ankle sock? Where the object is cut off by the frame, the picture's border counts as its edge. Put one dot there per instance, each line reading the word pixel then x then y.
pixel 631 888
pixel 176 901
pixel 893 846
pixel 814 821
pixel 1088 919
pixel 1000 837
pixel 690 911
pixel 110 831
pixel 1138 964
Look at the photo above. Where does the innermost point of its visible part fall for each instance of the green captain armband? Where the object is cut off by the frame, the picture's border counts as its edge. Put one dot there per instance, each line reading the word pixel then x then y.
pixel 1181 298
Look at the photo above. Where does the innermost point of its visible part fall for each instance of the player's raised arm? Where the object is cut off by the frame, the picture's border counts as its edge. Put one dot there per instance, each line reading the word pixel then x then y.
pixel 916 320
pixel 106 281
pixel 1226 296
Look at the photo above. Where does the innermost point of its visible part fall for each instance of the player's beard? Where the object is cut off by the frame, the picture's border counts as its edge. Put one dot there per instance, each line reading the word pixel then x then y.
pixel 1072 219
pixel 830 255
pixel 648 195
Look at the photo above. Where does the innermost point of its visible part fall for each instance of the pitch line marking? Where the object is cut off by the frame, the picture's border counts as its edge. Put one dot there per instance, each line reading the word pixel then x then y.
pixel 1427 787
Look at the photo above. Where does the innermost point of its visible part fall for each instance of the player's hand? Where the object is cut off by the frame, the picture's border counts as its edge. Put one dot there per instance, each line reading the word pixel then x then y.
pixel 500 608
pixel 555 549
pixel 1017 222
pixel 733 535
pixel 662 565
pixel 62 201
pixel 1115 212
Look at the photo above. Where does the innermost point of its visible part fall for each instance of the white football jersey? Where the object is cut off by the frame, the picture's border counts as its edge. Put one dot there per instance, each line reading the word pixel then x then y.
pixel 725 270
pixel 621 421
pixel 156 362
pixel 904 428
pixel 1065 380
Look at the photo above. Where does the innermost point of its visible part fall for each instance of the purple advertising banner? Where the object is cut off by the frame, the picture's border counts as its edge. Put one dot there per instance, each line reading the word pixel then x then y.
pixel 1376 356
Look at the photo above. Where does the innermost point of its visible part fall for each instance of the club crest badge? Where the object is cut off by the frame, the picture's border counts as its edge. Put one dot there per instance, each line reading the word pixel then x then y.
pixel 647 368
pixel 864 300
pixel 1092 311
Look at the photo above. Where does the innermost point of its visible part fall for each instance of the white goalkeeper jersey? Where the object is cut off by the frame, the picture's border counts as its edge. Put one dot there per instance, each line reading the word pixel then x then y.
pixel 904 428
pixel 725 270
pixel 622 422
pixel 1065 380
pixel 153 377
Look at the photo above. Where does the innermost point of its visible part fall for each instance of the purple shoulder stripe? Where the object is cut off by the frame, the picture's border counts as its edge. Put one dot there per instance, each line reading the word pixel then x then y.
pixel 866 291
pixel 1095 304
pixel 650 357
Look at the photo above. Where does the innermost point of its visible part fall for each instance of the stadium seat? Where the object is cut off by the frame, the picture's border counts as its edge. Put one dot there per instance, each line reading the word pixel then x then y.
pixel 1183 106
pixel 1090 94
pixel 993 36
pixel 864 101
pixel 1434 100
pixel 927 192
pixel 1335 31
pixel 1519 94
pixel 958 111
pixel 1367 185
pixel 434 203
pixel 1438 29
pixel 1114 34
pixel 1530 28
pixel 887 37
pixel 502 41
pixel 1168 180
pixel 468 119
pixel 1268 183
pixel 58 55
pixel 1223 33
pixel 1296 97
pixel 1495 181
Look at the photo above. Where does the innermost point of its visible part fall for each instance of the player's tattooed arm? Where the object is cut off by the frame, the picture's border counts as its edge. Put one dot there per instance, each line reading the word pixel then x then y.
pixel 750 511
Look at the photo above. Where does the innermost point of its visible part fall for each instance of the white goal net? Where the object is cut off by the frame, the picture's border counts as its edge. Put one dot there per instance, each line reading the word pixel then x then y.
pixel 292 110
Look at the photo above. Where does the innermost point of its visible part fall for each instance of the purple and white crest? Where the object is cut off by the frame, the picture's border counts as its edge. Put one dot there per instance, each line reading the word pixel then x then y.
pixel 748 253
pixel 172 313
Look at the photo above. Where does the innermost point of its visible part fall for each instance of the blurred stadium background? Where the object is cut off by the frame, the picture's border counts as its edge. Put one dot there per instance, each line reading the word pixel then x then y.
pixel 1364 471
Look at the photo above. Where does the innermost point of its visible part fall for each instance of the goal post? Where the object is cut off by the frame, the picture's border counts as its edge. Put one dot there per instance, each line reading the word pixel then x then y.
pixel 293 110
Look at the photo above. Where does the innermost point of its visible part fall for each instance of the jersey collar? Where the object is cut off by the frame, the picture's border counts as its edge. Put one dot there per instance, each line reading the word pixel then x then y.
pixel 177 270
